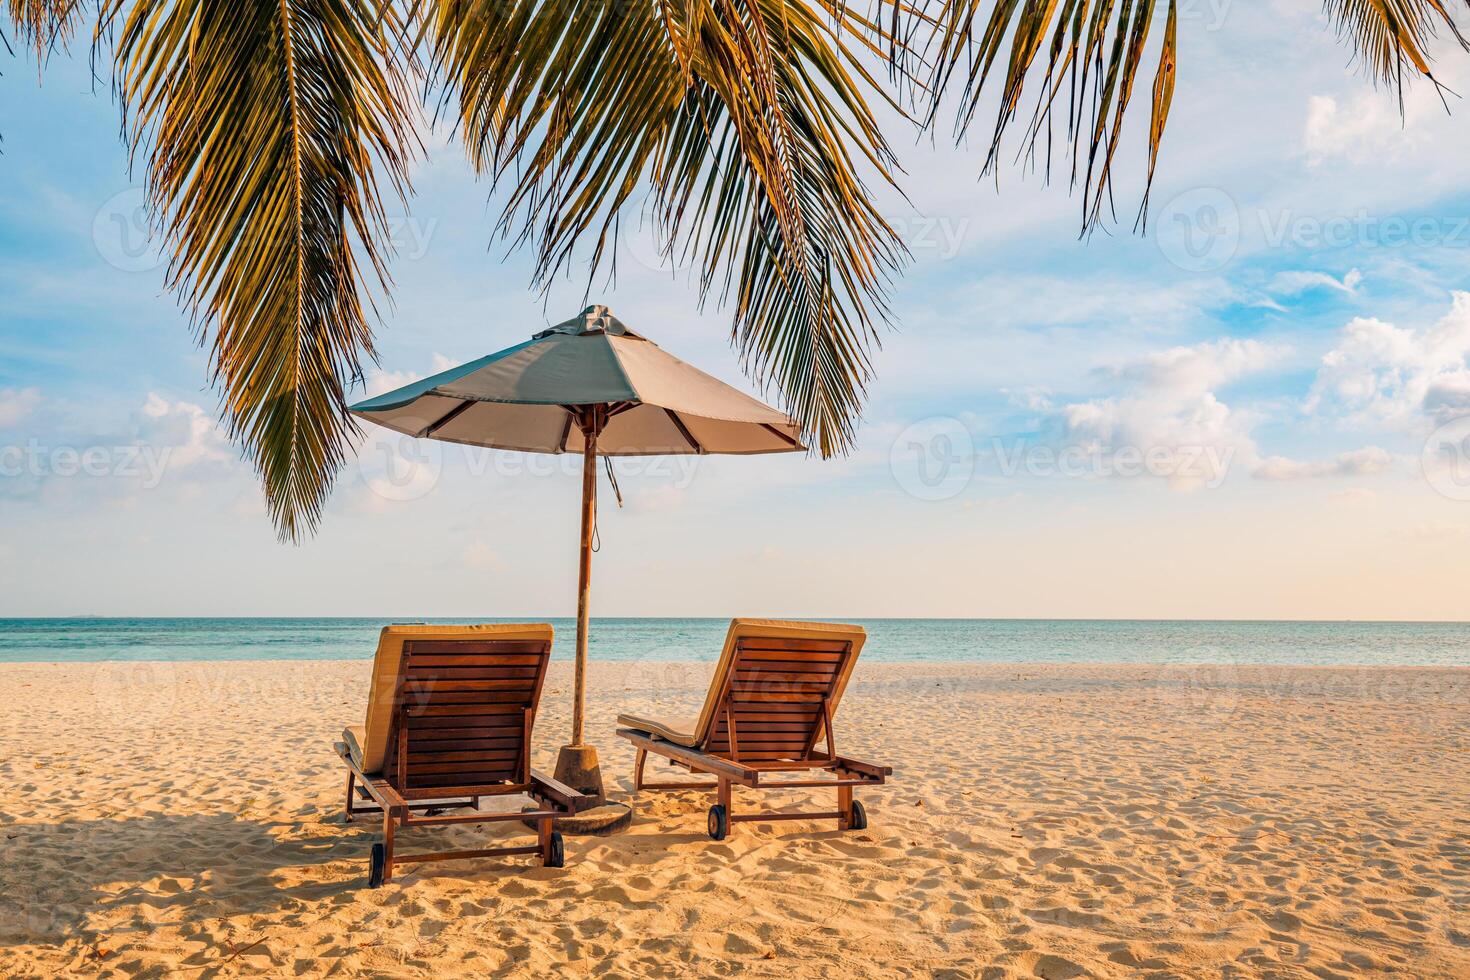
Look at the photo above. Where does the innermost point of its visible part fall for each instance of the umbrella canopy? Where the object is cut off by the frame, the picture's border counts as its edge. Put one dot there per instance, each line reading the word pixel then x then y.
pixel 591 386
pixel 532 398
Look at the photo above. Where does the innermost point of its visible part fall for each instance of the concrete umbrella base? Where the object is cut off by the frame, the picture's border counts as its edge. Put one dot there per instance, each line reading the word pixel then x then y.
pixel 600 821
pixel 577 767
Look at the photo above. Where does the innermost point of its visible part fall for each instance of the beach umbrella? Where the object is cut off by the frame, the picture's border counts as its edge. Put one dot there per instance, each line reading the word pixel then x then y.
pixel 589 386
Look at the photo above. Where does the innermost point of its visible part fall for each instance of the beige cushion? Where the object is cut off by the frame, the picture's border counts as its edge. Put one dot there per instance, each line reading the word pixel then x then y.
pixel 353 736
pixel 678 730
pixel 693 734
pixel 373 744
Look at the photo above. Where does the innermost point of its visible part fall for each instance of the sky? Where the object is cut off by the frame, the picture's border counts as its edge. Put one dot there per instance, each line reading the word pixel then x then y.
pixel 1258 408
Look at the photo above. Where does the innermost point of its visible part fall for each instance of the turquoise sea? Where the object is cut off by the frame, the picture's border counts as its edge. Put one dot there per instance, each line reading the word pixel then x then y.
pixel 894 640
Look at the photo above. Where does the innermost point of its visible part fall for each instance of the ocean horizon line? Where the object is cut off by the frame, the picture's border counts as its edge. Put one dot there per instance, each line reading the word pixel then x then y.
pixel 697 639
pixel 534 617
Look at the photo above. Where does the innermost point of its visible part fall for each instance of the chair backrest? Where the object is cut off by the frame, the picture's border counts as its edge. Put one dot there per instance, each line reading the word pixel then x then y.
pixel 465 710
pixel 779 683
pixel 382 705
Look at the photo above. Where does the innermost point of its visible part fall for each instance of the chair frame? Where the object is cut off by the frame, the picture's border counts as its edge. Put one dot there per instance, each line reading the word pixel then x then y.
pixel 401 805
pixel 730 771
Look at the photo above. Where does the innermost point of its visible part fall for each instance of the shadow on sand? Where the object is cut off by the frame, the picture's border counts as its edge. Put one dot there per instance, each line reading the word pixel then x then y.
pixel 184 867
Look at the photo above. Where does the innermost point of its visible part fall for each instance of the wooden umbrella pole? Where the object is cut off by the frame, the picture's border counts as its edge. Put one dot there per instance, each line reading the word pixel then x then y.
pixel 584 570
pixel 576 764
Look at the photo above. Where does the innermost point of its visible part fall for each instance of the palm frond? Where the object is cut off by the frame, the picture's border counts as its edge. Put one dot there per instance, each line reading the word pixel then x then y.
pixel 1392 35
pixel 1086 56
pixel 749 123
pixel 266 125
pixel 42 25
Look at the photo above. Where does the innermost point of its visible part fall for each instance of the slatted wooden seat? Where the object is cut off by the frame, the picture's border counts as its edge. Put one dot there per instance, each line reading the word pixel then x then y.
pixel 450 719
pixel 768 710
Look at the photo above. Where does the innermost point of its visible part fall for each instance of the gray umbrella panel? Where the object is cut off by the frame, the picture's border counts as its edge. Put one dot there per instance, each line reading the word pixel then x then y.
pixel 518 399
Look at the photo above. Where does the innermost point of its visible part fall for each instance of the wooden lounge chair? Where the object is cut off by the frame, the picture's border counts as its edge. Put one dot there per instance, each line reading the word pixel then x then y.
pixel 449 720
pixel 770 702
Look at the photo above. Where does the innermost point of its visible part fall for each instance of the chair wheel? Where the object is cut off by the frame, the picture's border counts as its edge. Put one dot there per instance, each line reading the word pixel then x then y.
pixel 858 818
pixel 556 855
pixel 376 865
pixel 719 822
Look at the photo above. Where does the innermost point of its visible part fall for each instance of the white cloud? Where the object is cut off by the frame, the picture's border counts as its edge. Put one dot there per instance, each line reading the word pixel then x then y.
pixel 16 404
pixel 1295 282
pixel 1365 125
pixel 1191 371
pixel 1359 462
pixel 1033 398
pixel 1366 128
pixel 186 431
pixel 1169 411
pixel 1382 374
pixel 380 382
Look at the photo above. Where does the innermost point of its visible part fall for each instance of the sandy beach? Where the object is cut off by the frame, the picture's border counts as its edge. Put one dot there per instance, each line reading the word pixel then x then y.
pixel 184 820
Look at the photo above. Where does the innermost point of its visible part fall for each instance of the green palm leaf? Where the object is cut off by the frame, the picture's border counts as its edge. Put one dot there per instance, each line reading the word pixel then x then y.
pixel 266 125
pixel 1085 57
pixel 748 122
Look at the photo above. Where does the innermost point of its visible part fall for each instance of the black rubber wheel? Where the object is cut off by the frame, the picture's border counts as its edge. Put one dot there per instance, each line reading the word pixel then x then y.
pixel 858 819
pixel 719 822
pixel 557 857
pixel 376 865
